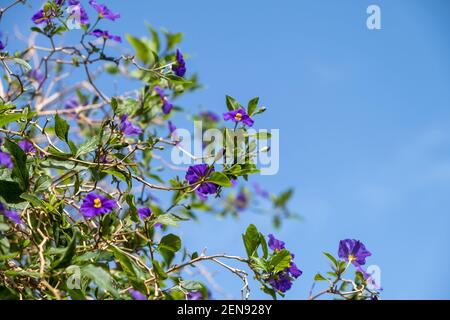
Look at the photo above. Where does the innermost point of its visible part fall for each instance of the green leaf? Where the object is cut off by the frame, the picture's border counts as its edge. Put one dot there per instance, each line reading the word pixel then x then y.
pixel 280 260
pixel 264 247
pixel 191 285
pixel 159 270
pixel 130 267
pixel 114 104
pixel 6 106
pixel 172 39
pixel 252 104
pixel 61 128
pixel 42 183
pixel 259 263
pixel 100 277
pixel 169 219
pixel 87 146
pixel 10 191
pixel 142 51
pixel 131 205
pixel 34 200
pixel 69 252
pixel 170 242
pixel 19 159
pixel 332 259
pixel 176 79
pixel 281 200
pixel 232 104
pixel 319 277
pixel 11 117
pixel 251 239
pixel 262 135
pixel 220 179
pixel 155 37
pixel 22 63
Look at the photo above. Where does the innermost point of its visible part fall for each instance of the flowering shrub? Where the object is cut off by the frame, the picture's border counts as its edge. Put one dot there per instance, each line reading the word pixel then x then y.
pixel 83 206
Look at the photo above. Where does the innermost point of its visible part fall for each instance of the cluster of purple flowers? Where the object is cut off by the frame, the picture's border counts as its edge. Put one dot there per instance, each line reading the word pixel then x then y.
pixel 239 115
pixel 282 281
pixel 78 13
pixel 201 172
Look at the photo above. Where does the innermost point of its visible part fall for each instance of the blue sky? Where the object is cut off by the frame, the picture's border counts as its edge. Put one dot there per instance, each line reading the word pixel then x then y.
pixel 363 118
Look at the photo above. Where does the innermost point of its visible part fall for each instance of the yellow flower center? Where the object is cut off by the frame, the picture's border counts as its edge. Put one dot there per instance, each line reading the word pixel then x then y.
pixel 238 116
pixel 97 203
pixel 351 258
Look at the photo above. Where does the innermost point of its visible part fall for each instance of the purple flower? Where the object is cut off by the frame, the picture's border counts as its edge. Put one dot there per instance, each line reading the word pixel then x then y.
pixel 105 35
pixel 36 75
pixel 144 212
pixel 281 282
pixel 275 244
pixel 172 127
pixel 137 295
pixel 71 103
pixel 5 160
pixel 241 201
pixel 27 146
pixel 238 115
pixel 103 11
pixel 260 191
pixel 41 16
pixel 95 205
pixel 167 106
pixel 353 251
pixel 293 269
pixel 11 215
pixel 371 281
pixel 2 45
pixel 195 295
pixel 78 12
pixel 211 116
pixel 179 68
pixel 200 172
pixel 127 127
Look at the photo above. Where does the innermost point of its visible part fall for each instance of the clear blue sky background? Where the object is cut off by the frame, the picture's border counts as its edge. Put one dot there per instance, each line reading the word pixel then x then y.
pixel 363 117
